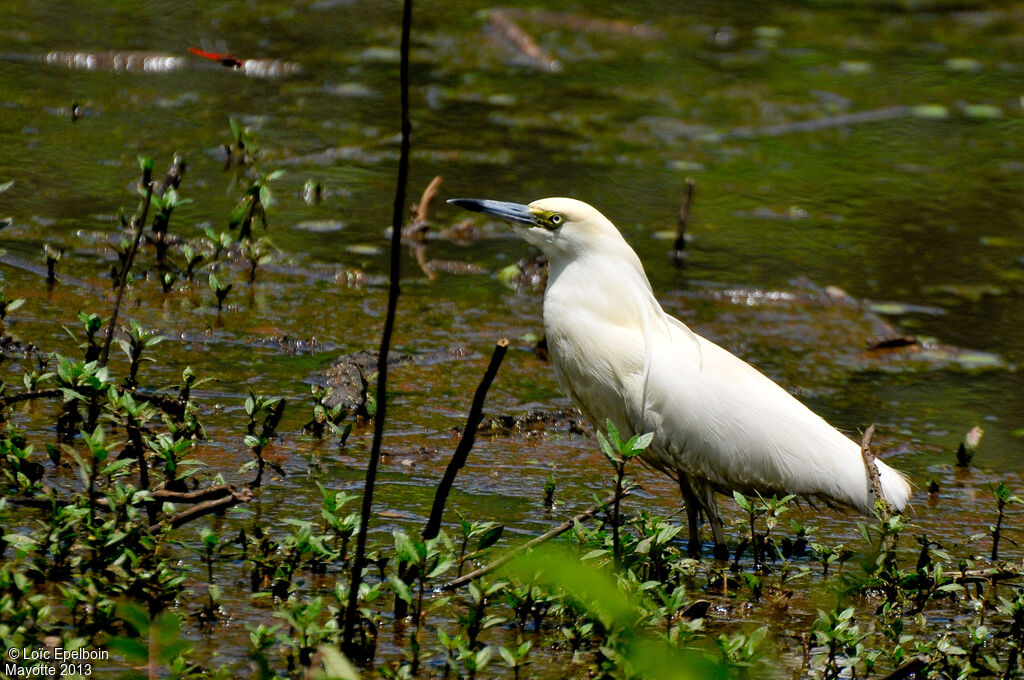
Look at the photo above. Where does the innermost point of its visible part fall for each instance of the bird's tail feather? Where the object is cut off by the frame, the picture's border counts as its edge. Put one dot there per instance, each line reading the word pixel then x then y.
pixel 895 487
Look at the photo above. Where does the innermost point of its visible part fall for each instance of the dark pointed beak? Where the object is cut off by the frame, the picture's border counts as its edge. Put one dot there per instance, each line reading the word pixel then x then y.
pixel 516 213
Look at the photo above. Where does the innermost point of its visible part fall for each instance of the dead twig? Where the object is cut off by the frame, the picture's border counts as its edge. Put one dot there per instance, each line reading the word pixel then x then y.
pixel 523 42
pixel 416 233
pixel 421 214
pixel 547 536
pixel 198 496
pixel 10 399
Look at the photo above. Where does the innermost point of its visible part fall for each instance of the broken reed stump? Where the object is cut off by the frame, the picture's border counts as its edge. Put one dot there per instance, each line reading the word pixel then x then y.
pixel 679 247
pixel 869 464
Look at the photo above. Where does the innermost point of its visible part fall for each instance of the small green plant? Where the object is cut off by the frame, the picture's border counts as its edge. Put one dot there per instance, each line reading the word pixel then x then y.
pixel 1003 498
pixel 761 543
pixel 549 491
pixel 252 206
pixel 135 340
pixel 264 414
pixel 619 453
pixel 219 290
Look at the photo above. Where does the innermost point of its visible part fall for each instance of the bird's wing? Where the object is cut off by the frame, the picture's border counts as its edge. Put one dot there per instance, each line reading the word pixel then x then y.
pixel 718 418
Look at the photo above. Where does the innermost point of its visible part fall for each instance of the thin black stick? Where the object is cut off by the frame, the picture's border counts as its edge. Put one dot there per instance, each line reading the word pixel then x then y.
pixel 547 536
pixel 122 282
pixel 385 341
pixel 458 460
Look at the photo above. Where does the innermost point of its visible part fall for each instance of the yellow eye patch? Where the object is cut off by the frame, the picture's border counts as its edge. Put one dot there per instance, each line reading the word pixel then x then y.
pixel 549 219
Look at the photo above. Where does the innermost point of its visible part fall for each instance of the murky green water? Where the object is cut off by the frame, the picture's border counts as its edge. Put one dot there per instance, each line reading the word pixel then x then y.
pixel 920 208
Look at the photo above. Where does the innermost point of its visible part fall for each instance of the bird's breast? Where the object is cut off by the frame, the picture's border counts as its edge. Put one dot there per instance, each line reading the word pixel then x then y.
pixel 596 344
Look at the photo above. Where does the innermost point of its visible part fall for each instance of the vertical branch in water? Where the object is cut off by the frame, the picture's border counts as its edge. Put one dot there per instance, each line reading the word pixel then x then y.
pixel 444 487
pixel 385 340
pixel 122 281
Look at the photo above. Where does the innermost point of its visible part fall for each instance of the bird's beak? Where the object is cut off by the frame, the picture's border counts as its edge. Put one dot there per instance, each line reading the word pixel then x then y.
pixel 516 213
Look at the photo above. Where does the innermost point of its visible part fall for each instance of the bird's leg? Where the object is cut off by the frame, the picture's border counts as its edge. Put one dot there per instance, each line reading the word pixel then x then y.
pixel 710 506
pixel 693 511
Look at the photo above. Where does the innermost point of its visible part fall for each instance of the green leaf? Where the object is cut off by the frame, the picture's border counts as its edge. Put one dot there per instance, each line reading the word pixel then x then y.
pixel 134 615
pixel 442 566
pixel 606 448
pixel 336 665
pixel 401 589
pixel 133 650
pixel 613 434
pixel 642 441
pixel 117 465
pixel 405 547
pixel 490 537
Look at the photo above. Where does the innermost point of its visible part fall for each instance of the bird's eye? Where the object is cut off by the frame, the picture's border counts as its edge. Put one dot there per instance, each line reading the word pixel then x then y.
pixel 556 220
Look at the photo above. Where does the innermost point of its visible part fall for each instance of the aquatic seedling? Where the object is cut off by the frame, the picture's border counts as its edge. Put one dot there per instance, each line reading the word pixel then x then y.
pixel 1003 498
pixel 549 491
pixel 264 413
pixel 327 418
pixel 252 206
pixel 219 290
pixel 135 340
pixel 619 453
pixel 515 658
pixel 165 200
pixel 761 544
pixel 256 252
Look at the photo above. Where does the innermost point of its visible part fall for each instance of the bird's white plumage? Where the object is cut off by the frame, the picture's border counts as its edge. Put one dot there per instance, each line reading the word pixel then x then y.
pixel 718 423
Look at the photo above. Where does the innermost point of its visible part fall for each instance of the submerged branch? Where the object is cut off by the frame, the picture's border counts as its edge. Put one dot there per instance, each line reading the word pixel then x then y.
pixel 235 496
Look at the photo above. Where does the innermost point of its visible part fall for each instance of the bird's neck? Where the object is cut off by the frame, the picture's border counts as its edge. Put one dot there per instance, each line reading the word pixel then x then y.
pixel 612 287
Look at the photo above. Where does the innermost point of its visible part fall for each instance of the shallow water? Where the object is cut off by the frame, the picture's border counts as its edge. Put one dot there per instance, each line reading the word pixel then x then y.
pixel 915 211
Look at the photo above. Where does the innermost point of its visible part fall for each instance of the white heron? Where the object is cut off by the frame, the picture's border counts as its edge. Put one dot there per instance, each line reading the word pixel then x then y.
pixel 719 424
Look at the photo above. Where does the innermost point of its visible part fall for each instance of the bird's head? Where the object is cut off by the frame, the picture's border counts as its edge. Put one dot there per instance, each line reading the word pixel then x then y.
pixel 561 227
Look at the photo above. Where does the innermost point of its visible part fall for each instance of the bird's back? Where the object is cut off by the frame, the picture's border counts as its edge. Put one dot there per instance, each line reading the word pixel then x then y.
pixel 720 419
